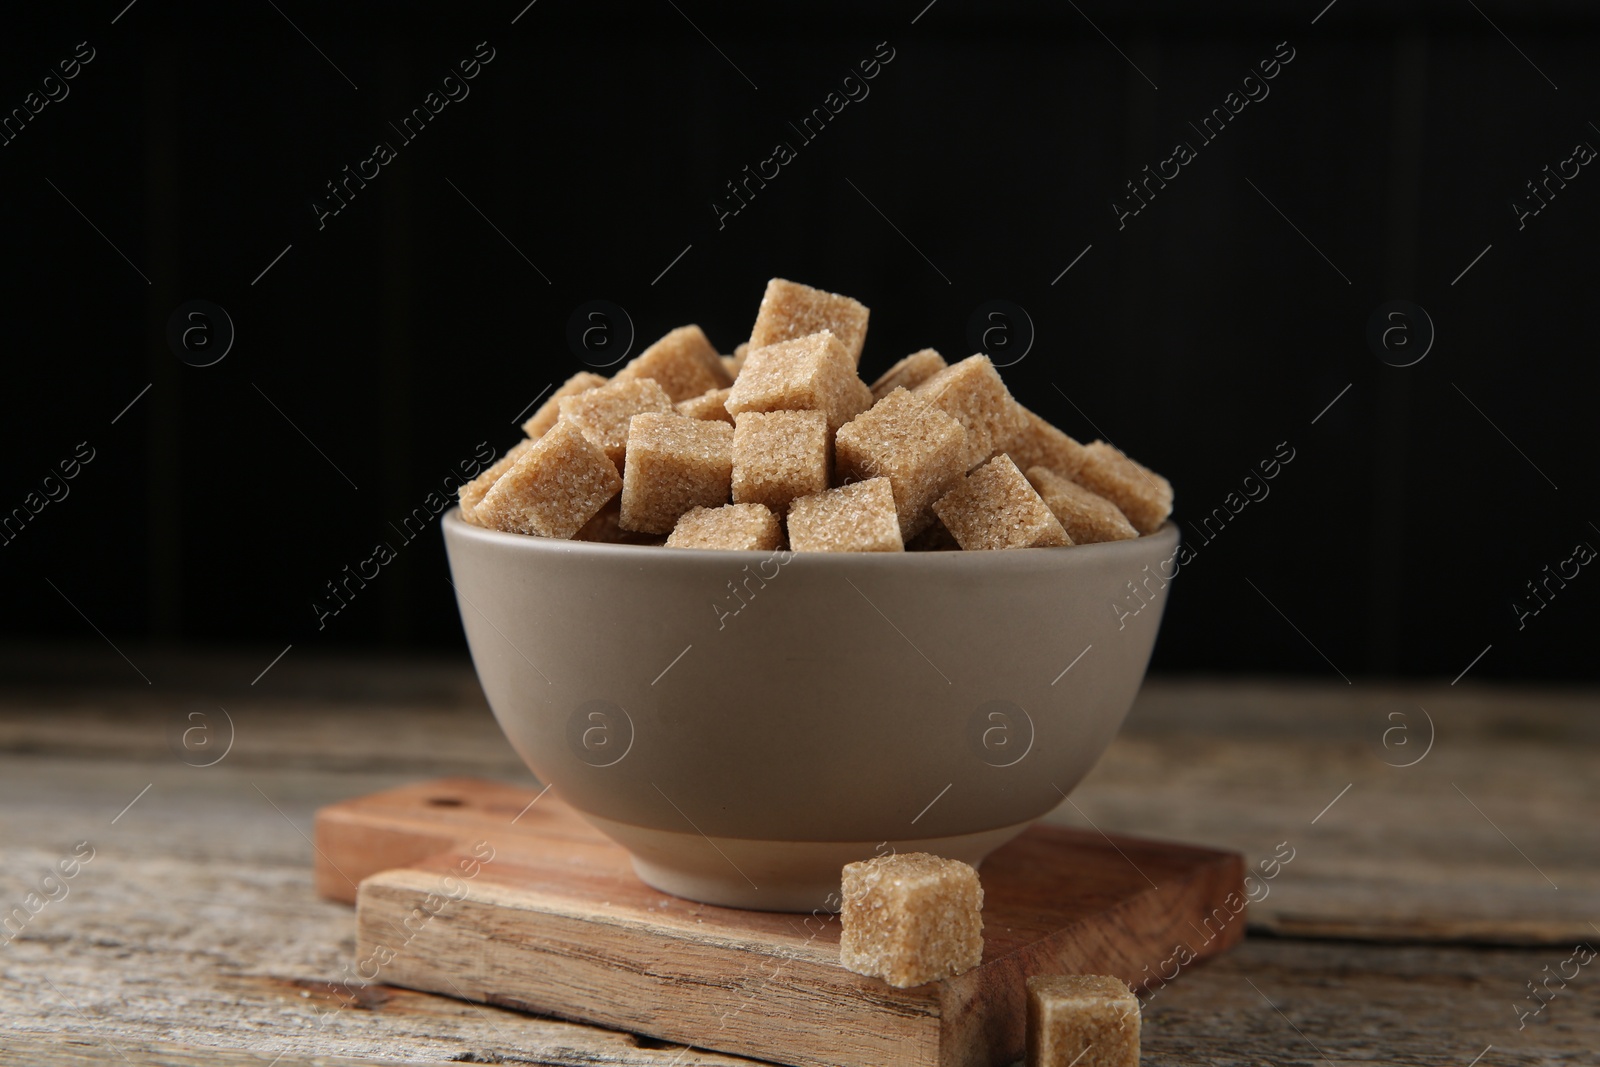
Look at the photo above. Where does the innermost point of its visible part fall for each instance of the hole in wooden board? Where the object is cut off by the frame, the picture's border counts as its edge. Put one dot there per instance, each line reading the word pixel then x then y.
pixel 445 802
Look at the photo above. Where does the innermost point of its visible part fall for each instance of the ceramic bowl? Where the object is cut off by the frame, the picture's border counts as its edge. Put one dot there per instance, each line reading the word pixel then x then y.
pixel 745 723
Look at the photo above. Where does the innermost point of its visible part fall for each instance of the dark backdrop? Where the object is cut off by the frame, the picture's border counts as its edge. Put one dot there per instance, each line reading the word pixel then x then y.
pixel 1220 322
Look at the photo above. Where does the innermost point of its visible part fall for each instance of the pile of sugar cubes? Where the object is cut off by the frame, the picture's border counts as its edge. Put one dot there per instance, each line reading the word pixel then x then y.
pixel 911 918
pixel 782 444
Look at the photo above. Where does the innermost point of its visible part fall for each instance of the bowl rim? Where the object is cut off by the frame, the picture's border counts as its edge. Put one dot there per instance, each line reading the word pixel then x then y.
pixel 1164 540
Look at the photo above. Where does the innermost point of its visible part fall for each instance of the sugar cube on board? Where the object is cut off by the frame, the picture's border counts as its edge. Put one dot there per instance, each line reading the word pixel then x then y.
pixel 995 507
pixel 779 455
pixel 789 310
pixel 1081 1020
pixel 909 373
pixel 603 413
pixel 1088 517
pixel 735 527
pixel 859 517
pixel 540 421
pixel 810 373
pixel 910 918
pixel 919 448
pixel 683 363
pixel 1143 495
pixel 673 464
pixel 553 488
pixel 972 393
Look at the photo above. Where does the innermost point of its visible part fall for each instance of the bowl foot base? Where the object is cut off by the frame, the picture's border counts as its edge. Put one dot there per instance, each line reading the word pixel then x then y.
pixel 800 876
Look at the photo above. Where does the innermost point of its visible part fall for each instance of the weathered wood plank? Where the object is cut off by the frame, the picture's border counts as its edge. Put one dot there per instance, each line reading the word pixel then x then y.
pixel 195 923
pixel 1407 853
pixel 193 933
pixel 1403 855
pixel 1290 1002
pixel 60 1051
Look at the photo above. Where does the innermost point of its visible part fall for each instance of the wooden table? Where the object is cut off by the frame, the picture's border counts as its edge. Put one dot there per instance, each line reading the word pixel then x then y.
pixel 1419 904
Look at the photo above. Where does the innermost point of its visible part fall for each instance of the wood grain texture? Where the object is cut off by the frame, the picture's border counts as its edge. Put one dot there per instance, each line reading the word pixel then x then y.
pixel 558 923
pixel 1232 765
pixel 195 935
pixel 1468 844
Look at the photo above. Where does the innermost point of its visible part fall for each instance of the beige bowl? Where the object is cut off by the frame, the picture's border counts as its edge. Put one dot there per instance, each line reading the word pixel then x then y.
pixel 745 723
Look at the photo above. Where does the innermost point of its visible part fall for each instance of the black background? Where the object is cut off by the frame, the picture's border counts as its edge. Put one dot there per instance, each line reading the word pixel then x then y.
pixel 415 324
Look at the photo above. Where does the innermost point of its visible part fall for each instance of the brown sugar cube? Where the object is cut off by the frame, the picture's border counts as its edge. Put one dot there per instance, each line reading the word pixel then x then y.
pixel 936 538
pixel 972 393
pixel 860 399
pixel 858 517
pixel 995 507
pixel 910 918
pixel 909 373
pixel 1088 517
pixel 1143 495
pixel 1042 445
pixel 674 464
pixel 779 455
pixel 737 527
pixel 1087 1020
pixel 734 363
pixel 472 493
pixel 606 528
pixel 553 488
pixel 810 373
pixel 711 405
pixel 790 310
pixel 919 448
pixel 602 413
pixel 541 421
pixel 683 363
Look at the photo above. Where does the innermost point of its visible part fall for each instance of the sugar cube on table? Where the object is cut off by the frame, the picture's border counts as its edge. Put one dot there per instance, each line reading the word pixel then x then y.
pixel 1086 1020
pixel 737 527
pixel 920 449
pixel 711 405
pixel 1088 517
pixel 472 493
pixel 1143 495
pixel 910 918
pixel 540 421
pixel 553 488
pixel 789 310
pixel 909 373
pixel 674 464
pixel 1042 445
pixel 995 507
pixel 859 517
pixel 603 413
pixel 972 393
pixel 779 455
pixel 683 363
pixel 810 373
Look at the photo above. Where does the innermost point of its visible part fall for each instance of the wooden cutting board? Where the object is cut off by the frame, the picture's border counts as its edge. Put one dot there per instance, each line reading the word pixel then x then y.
pixel 506 896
